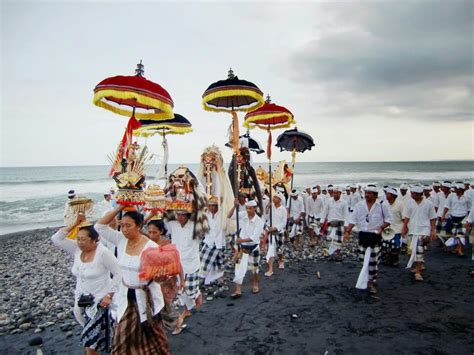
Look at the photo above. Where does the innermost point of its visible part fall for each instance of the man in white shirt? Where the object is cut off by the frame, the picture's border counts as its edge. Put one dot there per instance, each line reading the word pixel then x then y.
pixel 274 235
pixel 295 209
pixel 355 198
pixel 315 212
pixel 391 248
pixel 371 218
pixel 403 197
pixel 212 254
pixel 419 224
pixel 458 206
pixel 336 214
pixel 441 224
pixel 469 232
pixel 249 241
pixel 181 231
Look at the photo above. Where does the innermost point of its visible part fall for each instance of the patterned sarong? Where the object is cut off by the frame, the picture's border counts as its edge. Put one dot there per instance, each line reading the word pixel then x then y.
pixel 133 337
pixel 97 333
pixel 211 258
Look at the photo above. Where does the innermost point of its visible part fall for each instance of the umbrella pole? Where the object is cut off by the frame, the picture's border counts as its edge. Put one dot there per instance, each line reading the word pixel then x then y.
pixel 166 162
pixel 291 185
pixel 235 141
pixel 270 173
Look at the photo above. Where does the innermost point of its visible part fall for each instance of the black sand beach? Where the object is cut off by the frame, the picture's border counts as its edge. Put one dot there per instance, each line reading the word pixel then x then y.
pixel 295 312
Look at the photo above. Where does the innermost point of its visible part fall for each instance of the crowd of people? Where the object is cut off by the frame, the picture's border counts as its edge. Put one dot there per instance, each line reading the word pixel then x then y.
pixel 122 313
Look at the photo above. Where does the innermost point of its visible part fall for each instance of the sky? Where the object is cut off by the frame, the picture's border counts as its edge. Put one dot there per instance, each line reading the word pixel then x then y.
pixel 368 80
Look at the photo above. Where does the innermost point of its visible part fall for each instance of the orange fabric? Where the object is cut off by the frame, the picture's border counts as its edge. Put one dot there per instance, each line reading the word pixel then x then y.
pixel 162 261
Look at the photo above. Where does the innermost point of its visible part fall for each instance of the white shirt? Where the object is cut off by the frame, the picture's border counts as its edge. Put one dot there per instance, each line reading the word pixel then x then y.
pixel 470 217
pixel 92 277
pixel 188 247
pixel 215 236
pixel 252 228
pixel 130 267
pixel 404 199
pixel 420 216
pixel 354 199
pixel 279 217
pixel 297 207
pixel 442 201
pixel 458 206
pixel 370 221
pixel 397 213
pixel 315 207
pixel 434 198
pixel 336 211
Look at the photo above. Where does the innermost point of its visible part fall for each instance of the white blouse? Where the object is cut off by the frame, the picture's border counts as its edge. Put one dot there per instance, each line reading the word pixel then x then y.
pixel 130 266
pixel 92 277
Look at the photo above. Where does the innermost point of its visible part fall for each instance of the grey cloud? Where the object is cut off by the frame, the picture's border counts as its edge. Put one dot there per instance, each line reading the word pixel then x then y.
pixel 392 56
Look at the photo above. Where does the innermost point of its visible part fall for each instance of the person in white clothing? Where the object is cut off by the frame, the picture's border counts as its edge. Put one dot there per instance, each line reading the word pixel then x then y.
pixel 182 235
pixel 336 214
pixel 295 210
pixel 92 267
pixel 249 241
pixel 371 218
pixel 419 224
pixel 212 251
pixel 315 212
pixel 469 232
pixel 391 248
pixel 458 206
pixel 274 234
pixel 441 223
pixel 137 303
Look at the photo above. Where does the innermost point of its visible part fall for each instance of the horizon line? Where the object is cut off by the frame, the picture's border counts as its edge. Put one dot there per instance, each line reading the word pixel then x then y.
pixel 254 162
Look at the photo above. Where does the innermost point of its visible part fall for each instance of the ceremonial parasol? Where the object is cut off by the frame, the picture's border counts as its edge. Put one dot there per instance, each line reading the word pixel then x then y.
pixel 232 95
pixel 252 144
pixel 268 117
pixel 134 97
pixel 177 125
pixel 294 141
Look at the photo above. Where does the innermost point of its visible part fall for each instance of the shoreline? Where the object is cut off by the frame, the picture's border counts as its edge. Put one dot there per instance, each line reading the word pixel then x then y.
pixel 406 317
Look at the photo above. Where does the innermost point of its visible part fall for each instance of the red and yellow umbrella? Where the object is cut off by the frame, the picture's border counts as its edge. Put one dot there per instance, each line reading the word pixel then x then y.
pixel 269 117
pixel 134 97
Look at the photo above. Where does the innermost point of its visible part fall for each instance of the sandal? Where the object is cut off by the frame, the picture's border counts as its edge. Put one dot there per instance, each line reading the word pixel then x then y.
pixel 418 277
pixel 236 295
pixel 255 290
pixel 268 274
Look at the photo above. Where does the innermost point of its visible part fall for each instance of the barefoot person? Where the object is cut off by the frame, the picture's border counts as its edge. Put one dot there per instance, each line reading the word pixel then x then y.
pixel 137 303
pixel 391 248
pixel 336 214
pixel 212 252
pixel 182 235
pixel 249 240
pixel 159 234
pixel 419 224
pixel 371 218
pixel 93 264
pixel 315 210
pixel 458 205
pixel 275 234
pixel 295 210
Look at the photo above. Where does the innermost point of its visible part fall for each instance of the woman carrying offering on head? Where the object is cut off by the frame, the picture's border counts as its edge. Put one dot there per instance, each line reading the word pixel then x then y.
pixel 137 303
pixel 93 264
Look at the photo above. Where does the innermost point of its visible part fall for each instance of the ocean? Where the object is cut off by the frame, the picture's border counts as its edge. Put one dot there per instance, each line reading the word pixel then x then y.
pixel 35 197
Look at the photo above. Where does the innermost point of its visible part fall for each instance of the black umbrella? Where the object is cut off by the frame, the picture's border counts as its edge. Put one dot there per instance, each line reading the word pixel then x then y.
pixel 232 95
pixel 253 145
pixel 293 140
